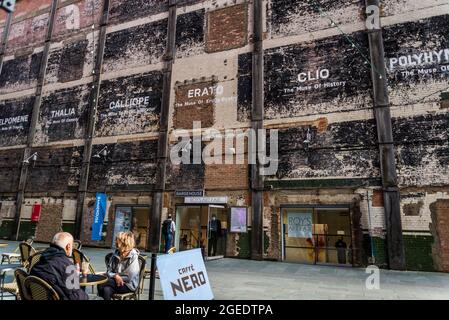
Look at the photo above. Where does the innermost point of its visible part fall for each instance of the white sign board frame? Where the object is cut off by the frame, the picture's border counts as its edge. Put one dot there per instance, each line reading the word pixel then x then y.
pixel 183 276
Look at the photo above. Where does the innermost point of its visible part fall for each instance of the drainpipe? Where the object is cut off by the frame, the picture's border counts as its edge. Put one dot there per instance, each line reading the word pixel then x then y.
pixel 394 240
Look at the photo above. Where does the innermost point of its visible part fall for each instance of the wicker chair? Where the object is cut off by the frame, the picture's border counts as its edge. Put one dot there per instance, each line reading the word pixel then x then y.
pixel 15 256
pixel 33 260
pixel 26 250
pixel 79 257
pixel 136 294
pixel 77 244
pixel 11 288
pixel 20 277
pixel 39 289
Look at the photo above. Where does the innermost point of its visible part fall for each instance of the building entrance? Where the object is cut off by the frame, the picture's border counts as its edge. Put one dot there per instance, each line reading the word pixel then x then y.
pixel 317 235
pixel 202 226
pixel 135 219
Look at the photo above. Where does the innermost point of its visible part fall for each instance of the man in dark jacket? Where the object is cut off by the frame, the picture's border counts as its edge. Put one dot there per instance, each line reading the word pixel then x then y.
pixel 56 266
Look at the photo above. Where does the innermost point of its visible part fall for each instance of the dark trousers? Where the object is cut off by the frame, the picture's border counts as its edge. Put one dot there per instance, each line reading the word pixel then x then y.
pixel 168 242
pixel 212 244
pixel 108 289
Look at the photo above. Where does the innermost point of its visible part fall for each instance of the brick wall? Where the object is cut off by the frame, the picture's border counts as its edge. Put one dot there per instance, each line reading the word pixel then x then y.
pixel 439 228
pixel 50 222
pixel 227 28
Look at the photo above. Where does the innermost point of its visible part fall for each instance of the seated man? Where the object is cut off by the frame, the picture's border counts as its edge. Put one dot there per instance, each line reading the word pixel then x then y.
pixel 54 267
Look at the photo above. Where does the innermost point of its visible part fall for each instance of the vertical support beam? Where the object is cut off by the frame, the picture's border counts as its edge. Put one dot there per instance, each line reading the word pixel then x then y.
pixel 395 246
pixel 162 152
pixel 89 135
pixel 257 115
pixel 34 118
pixel 5 35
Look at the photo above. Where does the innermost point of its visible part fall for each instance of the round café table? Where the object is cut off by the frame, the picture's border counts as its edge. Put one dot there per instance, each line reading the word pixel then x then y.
pixel 92 280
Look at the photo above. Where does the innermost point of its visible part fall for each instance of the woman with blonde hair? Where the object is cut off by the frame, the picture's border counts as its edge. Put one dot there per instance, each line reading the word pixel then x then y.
pixel 122 268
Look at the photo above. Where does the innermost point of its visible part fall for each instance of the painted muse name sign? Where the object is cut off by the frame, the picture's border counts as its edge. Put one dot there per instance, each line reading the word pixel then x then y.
pixel 64 115
pixel 419 59
pixel 130 102
pixel 319 78
pixel 13 120
pixel 421 64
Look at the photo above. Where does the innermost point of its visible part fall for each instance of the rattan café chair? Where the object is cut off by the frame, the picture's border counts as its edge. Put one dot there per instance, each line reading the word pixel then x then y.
pixel 33 260
pixel 77 244
pixel 26 251
pixel 15 256
pixel 39 289
pixel 20 277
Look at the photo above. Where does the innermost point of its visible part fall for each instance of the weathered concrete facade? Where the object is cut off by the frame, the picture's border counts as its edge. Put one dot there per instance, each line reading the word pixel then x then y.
pixel 317 82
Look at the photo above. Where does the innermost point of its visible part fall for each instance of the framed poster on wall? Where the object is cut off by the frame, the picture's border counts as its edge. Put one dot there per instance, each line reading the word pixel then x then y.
pixel 239 216
pixel 122 221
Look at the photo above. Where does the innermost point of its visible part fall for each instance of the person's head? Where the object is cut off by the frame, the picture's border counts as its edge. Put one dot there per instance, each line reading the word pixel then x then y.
pixel 341 238
pixel 169 216
pixel 65 241
pixel 125 242
pixel 214 217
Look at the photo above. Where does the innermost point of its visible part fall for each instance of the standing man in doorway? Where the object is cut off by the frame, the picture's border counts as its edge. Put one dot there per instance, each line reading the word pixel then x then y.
pixel 341 250
pixel 214 233
pixel 168 230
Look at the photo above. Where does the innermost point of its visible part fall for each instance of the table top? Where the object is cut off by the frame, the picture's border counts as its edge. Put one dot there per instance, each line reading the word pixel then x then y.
pixel 8 267
pixel 92 280
pixel 2 245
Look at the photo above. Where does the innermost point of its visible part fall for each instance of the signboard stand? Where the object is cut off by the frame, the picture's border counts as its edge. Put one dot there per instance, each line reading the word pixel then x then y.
pixel 152 276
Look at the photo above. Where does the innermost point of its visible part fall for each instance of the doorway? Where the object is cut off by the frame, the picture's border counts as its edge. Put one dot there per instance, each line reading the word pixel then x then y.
pixel 317 235
pixel 204 227
pixel 135 219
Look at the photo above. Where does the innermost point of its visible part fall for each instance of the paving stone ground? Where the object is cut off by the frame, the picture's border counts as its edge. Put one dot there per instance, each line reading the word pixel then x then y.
pixel 238 279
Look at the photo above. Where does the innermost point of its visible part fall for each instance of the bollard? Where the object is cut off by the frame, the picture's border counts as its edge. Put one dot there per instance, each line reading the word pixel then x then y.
pixel 152 276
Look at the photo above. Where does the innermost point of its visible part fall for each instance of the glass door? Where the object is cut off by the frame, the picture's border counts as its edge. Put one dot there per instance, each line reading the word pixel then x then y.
pixel 317 235
pixel 217 229
pixel 188 228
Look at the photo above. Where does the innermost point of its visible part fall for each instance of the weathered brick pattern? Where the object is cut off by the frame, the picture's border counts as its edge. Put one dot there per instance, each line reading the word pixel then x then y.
pixel 190 34
pixel 127 165
pixel 67 63
pixel 227 28
pixel 129 105
pixel 185 177
pixel 292 17
pixel 76 17
pixel 50 222
pixel 56 169
pixel 226 176
pixel 20 73
pixel 345 149
pixel 439 228
pixel 63 115
pixel 136 46
pixel 10 169
pixel 28 33
pixel 15 118
pixel 121 11
pixel 423 148
pixel 378 198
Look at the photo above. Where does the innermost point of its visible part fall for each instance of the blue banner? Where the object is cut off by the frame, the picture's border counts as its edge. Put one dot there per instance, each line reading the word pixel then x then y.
pixel 99 214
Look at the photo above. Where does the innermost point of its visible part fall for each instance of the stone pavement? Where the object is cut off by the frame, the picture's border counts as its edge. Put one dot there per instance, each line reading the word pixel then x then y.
pixel 238 279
